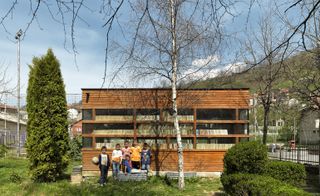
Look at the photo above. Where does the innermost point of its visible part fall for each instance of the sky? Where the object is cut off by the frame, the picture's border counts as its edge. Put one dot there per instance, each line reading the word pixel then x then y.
pixel 46 33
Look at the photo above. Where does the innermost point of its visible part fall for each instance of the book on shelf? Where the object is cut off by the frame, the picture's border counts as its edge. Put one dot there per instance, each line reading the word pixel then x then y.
pixel 165 132
pixel 180 117
pixel 214 146
pixel 212 132
pixel 113 118
pixel 147 117
pixel 114 132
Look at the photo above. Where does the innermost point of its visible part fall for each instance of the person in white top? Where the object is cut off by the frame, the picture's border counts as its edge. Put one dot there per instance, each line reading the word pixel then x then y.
pixel 116 160
pixel 104 163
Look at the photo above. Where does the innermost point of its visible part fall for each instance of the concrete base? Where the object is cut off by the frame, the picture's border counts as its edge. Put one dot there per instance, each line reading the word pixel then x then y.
pixel 159 173
pixel 76 175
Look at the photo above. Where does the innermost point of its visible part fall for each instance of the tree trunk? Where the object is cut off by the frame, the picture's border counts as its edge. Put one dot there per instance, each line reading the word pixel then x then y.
pixel 174 60
pixel 319 144
pixel 265 124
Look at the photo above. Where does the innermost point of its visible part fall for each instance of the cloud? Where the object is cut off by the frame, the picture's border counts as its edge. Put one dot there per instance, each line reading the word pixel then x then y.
pixel 210 68
pixel 210 60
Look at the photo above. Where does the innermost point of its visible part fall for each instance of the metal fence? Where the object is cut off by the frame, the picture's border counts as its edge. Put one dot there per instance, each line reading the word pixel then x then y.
pixel 302 154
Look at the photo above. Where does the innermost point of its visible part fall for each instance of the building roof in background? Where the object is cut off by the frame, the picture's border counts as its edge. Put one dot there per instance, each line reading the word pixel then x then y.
pixel 11 118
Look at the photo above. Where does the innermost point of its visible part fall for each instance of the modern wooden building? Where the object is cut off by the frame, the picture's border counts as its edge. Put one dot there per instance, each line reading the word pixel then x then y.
pixel 211 121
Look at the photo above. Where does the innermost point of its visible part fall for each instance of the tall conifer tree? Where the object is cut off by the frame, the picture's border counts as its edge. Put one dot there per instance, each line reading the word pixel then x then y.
pixel 47 128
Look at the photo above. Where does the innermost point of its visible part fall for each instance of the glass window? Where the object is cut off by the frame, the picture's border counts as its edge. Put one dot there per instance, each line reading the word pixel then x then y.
pixel 243 114
pixel 87 114
pixel 87 128
pixel 148 112
pixel 215 129
pixel 87 142
pixel 185 111
pixel 241 129
pixel 104 126
pixel 216 114
pixel 102 112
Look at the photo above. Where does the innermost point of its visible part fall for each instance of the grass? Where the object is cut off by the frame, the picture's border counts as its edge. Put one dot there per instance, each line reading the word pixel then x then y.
pixel 14 180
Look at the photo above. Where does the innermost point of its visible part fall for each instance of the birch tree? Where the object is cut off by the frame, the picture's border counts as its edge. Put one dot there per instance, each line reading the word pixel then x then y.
pixel 172 40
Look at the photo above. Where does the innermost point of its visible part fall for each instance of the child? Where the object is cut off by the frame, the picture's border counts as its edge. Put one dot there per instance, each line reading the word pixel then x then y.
pixel 126 151
pixel 127 165
pixel 145 157
pixel 135 155
pixel 104 164
pixel 116 160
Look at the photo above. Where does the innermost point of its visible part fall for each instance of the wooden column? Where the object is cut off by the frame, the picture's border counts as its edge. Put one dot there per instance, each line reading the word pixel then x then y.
pixel 135 125
pixel 93 142
pixel 94 114
pixel 194 128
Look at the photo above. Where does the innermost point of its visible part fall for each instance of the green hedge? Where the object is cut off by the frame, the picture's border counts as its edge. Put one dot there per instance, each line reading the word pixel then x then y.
pixel 3 150
pixel 289 172
pixel 252 184
pixel 246 157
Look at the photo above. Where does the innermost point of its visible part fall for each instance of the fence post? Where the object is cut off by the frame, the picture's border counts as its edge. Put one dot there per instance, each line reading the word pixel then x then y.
pixel 280 153
pixel 298 154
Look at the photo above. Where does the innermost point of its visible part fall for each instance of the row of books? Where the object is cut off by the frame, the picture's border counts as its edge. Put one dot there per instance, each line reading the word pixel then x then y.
pixel 180 117
pixel 114 132
pixel 212 132
pixel 164 132
pixel 214 146
pixel 113 118
pixel 187 146
pixel 113 144
pixel 140 117
pixel 147 117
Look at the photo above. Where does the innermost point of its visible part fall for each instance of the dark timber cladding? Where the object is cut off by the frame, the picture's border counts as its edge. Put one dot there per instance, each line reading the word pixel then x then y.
pixel 211 121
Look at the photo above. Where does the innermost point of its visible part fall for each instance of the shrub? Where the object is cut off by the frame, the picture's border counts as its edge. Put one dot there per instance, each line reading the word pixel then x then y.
pixel 246 157
pixel 3 150
pixel 15 178
pixel 75 148
pixel 252 184
pixel 292 173
pixel 48 138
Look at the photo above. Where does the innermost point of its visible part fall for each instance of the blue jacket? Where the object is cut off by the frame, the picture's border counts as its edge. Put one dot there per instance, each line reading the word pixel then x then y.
pixel 146 157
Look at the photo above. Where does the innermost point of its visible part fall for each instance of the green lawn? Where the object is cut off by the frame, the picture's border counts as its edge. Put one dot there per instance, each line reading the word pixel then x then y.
pixel 10 184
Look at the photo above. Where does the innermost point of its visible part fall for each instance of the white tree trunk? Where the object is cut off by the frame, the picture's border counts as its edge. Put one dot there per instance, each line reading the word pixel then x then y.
pixel 174 59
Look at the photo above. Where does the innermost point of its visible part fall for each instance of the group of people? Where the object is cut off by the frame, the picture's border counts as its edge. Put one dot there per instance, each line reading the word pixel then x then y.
pixel 124 160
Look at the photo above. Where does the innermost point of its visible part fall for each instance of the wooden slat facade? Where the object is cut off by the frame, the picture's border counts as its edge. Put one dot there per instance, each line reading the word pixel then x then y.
pixel 160 98
pixel 166 159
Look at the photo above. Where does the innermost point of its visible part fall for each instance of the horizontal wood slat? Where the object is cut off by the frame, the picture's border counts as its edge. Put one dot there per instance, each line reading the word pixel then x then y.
pixel 160 98
pixel 167 160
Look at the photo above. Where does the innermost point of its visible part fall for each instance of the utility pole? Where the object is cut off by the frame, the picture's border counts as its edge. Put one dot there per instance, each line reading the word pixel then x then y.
pixel 5 120
pixel 17 37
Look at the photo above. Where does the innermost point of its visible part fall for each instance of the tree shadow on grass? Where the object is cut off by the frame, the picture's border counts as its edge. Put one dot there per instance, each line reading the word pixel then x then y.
pixel 312 181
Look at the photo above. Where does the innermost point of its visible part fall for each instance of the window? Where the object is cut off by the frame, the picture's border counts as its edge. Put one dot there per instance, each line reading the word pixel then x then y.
pixel 87 128
pixel 87 114
pixel 216 114
pixel 317 123
pixel 148 112
pixel 102 126
pixel 87 142
pixel 243 114
pixel 215 129
pixel 103 112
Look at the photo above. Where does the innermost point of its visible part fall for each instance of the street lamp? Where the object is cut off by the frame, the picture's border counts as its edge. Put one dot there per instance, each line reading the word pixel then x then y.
pixel 17 37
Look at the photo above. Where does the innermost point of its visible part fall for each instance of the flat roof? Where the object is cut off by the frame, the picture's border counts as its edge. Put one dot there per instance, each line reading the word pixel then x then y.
pixel 164 89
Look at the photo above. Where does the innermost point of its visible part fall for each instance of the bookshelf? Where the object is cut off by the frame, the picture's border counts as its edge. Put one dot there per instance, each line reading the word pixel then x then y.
pixel 210 121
